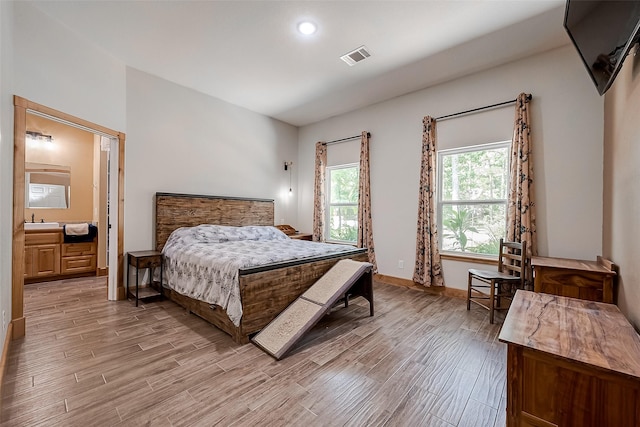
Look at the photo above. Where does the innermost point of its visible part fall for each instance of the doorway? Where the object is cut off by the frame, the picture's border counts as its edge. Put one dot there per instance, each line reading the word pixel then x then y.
pixel 110 140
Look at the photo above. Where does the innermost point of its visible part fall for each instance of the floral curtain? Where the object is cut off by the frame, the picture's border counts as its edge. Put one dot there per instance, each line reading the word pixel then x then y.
pixel 521 218
pixel 365 226
pixel 318 193
pixel 428 269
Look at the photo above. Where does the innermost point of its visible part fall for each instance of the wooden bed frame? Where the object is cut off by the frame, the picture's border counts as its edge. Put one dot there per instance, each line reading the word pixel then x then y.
pixel 265 291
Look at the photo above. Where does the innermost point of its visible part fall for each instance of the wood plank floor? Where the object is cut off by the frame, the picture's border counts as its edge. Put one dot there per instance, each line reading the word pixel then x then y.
pixel 422 360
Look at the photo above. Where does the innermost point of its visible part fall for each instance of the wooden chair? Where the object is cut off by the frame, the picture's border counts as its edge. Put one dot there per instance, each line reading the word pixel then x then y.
pixel 488 288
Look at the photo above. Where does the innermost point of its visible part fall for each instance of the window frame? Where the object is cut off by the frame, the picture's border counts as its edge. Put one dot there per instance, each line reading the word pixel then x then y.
pixel 328 203
pixel 440 203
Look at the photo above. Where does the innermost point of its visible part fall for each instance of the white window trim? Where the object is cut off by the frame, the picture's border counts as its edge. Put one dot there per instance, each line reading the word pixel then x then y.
pixel 328 203
pixel 440 203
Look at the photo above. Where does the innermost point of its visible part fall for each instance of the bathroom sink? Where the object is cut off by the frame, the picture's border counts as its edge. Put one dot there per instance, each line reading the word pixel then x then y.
pixel 40 225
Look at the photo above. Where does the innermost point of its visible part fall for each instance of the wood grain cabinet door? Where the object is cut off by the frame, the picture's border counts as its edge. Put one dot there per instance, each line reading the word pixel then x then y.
pixel 46 260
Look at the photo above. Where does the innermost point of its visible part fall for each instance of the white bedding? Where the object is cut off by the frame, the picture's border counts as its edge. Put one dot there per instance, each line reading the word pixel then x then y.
pixel 202 262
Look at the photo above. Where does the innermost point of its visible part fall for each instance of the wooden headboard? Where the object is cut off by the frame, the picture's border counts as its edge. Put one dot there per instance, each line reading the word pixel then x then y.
pixel 188 210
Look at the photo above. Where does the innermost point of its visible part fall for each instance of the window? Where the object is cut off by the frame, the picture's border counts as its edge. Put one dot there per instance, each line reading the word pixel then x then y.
pixel 342 209
pixel 47 196
pixel 472 197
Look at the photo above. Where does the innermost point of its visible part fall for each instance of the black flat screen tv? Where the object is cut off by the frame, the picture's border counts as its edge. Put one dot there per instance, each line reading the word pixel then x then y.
pixel 603 32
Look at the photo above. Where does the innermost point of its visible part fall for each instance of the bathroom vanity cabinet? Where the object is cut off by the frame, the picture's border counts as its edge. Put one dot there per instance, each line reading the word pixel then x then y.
pixel 42 254
pixel 47 257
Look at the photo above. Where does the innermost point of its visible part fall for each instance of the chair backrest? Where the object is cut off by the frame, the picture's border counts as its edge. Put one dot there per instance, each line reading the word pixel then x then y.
pixel 512 259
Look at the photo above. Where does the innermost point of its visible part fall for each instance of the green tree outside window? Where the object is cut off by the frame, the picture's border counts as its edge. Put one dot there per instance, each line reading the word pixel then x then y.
pixel 472 197
pixel 343 203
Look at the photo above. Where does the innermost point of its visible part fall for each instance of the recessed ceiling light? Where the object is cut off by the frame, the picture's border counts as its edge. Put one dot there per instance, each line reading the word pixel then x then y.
pixel 307 28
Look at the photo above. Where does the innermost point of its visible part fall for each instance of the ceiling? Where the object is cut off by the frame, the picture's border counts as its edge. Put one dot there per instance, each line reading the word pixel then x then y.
pixel 249 53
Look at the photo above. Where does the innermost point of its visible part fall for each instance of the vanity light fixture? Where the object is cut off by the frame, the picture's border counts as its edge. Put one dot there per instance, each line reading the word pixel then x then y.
pixel 307 28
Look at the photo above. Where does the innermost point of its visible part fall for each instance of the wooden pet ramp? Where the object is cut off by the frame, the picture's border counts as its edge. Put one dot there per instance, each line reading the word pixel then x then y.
pixel 346 278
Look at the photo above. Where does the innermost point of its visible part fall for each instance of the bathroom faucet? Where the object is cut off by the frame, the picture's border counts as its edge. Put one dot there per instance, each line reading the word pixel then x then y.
pixel 33 218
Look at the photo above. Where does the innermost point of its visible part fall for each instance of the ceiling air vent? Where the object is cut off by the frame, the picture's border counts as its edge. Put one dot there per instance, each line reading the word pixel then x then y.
pixel 355 56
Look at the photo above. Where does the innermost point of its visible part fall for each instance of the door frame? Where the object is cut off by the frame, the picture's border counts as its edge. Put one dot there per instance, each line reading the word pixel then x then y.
pixel 21 108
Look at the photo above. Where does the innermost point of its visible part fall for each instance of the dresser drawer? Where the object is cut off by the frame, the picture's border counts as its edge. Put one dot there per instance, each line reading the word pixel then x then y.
pixel 148 262
pixel 78 264
pixel 78 249
pixel 42 238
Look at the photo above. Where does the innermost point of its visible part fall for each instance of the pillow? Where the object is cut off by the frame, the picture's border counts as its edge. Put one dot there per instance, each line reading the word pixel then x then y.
pixel 209 233
pixel 263 232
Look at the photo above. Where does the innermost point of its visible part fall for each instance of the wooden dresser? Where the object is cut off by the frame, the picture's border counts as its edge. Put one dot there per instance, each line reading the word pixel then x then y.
pixel 590 280
pixel 570 363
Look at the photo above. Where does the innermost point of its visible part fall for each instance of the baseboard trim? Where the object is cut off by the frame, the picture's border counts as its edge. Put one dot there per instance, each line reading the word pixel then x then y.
pixel 397 281
pixel 5 355
pixel 19 328
pixel 103 272
pixel 59 276
pixel 434 290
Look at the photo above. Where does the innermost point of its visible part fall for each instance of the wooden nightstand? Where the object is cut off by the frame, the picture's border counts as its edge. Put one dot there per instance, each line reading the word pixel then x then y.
pixel 149 260
pixel 292 233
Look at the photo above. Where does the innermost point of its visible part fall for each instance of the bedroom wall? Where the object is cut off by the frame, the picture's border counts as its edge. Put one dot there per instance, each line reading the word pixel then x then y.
pixel 182 141
pixel 622 184
pixel 56 68
pixel 567 131
pixel 6 159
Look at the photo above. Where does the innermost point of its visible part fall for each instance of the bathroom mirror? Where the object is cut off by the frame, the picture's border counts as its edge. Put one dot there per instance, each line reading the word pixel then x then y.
pixel 47 186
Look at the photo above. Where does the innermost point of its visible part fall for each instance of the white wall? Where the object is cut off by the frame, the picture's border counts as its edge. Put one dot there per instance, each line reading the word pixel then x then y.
pixel 621 191
pixel 54 67
pixel 182 141
pixel 6 159
pixel 567 131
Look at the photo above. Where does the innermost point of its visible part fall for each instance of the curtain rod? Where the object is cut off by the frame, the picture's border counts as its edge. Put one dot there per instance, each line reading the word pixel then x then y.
pixel 337 141
pixel 481 108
